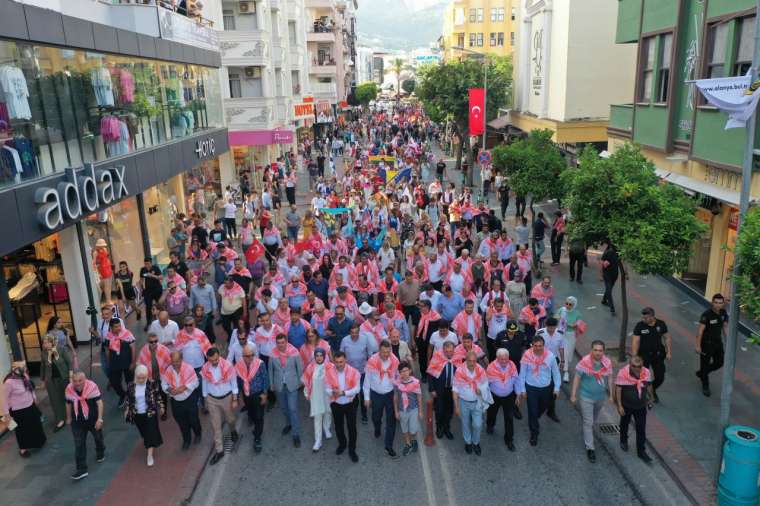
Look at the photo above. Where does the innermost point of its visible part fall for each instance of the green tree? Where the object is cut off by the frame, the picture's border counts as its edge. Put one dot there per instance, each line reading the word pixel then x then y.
pixel 444 92
pixel 408 85
pixel 747 253
pixel 533 165
pixel 366 93
pixel 620 201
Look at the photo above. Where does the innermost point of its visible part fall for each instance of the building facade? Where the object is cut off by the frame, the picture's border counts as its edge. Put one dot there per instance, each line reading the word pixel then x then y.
pixel 678 41
pixel 487 26
pixel 111 126
pixel 567 70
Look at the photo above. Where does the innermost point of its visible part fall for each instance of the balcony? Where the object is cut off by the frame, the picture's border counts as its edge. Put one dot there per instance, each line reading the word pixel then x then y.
pixel 621 119
pixel 275 5
pixel 319 4
pixel 250 113
pixel 244 48
pixel 320 31
pixel 324 90
pixel 324 69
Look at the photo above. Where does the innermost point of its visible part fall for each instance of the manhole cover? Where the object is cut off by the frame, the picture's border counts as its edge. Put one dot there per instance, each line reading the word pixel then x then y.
pixel 609 429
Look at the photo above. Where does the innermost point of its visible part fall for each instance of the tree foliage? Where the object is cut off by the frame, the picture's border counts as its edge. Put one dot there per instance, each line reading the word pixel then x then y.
pixel 748 254
pixel 366 92
pixel 408 85
pixel 533 165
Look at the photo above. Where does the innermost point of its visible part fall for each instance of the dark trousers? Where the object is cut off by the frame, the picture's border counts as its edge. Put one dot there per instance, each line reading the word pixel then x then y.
pixel 640 421
pixel 255 412
pixel 80 431
pixel 345 413
pixel 208 327
pixel 412 312
pixel 438 285
pixel 230 227
pixel 422 349
pixel 520 207
pixel 609 284
pixel 507 404
pixel 290 193
pixel 490 348
pixel 538 399
pixel 556 246
pixel 185 413
pixel 657 365
pixel 711 359
pixel 114 377
pixel 443 405
pixel 576 266
pixel 504 206
pixel 362 407
pixel 383 403
pixel 150 300
pixel 230 320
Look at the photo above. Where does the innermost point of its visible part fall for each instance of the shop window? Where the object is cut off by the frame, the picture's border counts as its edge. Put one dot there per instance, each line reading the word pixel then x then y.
pixel 663 74
pixel 745 45
pixel 646 72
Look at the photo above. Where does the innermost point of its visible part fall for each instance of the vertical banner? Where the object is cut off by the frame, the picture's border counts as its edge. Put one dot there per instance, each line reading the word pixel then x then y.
pixel 477 103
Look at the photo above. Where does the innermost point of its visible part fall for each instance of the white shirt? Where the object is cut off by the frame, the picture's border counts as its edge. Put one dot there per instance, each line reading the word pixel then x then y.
pixel 192 353
pixel 235 351
pixel 350 394
pixel 140 405
pixel 373 382
pixel 230 210
pixel 497 324
pixel 166 334
pixel 386 258
pixel 465 392
pixel 266 349
pixel 437 340
pixel 436 271
pixel 432 298
pixel 219 389
pixel 165 386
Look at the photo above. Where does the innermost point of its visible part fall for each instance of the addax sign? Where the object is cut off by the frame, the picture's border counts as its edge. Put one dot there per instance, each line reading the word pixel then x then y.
pixel 83 192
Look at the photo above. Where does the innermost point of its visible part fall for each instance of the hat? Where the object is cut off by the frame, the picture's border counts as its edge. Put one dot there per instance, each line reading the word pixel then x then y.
pixel 101 243
pixel 365 309
pixel 512 326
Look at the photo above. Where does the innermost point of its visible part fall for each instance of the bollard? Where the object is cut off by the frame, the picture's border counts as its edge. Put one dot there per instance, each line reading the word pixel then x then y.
pixel 429 437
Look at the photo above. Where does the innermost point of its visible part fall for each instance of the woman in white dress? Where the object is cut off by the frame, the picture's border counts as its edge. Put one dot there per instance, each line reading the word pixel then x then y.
pixel 314 390
pixel 516 292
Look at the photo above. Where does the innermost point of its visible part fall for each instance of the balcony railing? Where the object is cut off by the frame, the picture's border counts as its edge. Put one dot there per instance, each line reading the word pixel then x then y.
pixel 324 88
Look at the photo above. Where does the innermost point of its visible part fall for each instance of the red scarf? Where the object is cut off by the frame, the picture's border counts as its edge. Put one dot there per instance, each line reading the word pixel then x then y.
pixel 425 320
pixel 535 362
pixel 234 291
pixel 586 366
pixel 262 339
pixel 226 368
pixel 290 351
pixel 460 354
pixel 496 374
pixel 625 378
pixel 246 373
pixel 352 379
pixel 183 338
pixel 461 321
pixel 114 342
pixel 527 315
pixel 437 362
pixel 186 375
pixel 375 364
pixel 377 330
pixel 162 357
pixel 79 400
pixel 411 387
pixel 462 379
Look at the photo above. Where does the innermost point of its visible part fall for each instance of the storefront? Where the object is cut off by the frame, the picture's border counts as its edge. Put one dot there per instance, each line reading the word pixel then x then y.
pixel 252 150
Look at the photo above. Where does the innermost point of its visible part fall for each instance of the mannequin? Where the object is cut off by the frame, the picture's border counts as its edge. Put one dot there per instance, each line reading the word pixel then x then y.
pixel 102 263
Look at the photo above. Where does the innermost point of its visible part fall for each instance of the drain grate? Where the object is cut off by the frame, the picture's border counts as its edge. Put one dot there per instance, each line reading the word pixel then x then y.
pixel 227 444
pixel 609 429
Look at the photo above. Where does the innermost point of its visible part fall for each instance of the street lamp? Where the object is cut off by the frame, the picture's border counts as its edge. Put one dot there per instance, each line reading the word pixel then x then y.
pixel 485 99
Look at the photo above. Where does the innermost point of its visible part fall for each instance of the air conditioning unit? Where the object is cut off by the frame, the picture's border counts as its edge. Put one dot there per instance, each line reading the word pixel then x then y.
pixel 253 72
pixel 247 7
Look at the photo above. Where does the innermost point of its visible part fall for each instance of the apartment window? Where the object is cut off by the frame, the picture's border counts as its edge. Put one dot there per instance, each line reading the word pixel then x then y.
pixel 663 76
pixel 473 15
pixel 492 39
pixel 228 18
pixel 646 76
pixel 745 45
pixel 480 15
pixel 514 13
pixel 236 90
pixel 480 40
pixel 493 14
pixel 278 82
pixel 472 40
pixel 500 39
pixel 511 38
pixel 717 50
pixel 292 34
pixel 501 13
pixel 295 80
pixel 458 16
pixel 460 40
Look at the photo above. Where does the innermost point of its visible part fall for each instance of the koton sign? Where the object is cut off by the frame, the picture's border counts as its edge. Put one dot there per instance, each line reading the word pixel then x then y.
pixel 81 194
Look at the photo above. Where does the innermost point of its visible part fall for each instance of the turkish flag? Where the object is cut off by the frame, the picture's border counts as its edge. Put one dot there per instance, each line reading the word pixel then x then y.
pixel 254 251
pixel 477 111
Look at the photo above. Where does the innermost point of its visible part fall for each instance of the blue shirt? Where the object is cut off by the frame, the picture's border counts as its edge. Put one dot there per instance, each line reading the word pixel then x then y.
pixel 449 307
pixel 547 372
pixel 503 389
pixel 260 382
pixel 320 289
pixel 297 334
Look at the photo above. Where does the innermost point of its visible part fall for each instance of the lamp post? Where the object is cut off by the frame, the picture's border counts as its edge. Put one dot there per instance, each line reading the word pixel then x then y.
pixel 486 61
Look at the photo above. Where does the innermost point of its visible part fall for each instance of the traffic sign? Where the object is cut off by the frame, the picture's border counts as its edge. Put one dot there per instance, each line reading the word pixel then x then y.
pixel 484 157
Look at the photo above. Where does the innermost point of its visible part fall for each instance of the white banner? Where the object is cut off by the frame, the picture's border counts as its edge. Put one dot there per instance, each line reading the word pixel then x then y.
pixel 732 95
pixel 186 30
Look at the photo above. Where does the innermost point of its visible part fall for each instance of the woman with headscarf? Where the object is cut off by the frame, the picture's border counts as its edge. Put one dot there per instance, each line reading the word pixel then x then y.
pixel 56 371
pixel 516 292
pixel 19 401
pixel 314 390
pixel 63 337
pixel 144 406
pixel 568 316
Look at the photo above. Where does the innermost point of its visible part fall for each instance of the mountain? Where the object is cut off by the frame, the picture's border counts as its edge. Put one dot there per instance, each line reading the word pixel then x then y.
pixel 399 24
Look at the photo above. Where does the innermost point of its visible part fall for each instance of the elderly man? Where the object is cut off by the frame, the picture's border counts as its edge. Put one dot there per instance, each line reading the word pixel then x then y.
pixel 539 380
pixel 164 328
pixel 338 327
pixel 343 384
pixel 253 376
pixel 181 383
pixel 155 356
pixel 392 318
pixel 502 377
pixel 381 372
pixel 399 347
pixel 220 392
pixel 285 369
pixel 373 328
pixel 84 412
pixel 470 390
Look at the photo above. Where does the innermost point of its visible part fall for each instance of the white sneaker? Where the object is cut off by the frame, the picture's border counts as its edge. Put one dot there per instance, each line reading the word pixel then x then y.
pixel 566 377
pixel 150 460
pixel 328 434
pixel 316 447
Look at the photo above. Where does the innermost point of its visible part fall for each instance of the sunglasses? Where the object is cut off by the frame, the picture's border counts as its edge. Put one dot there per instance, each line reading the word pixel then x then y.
pixel 249 356
pixel 152 342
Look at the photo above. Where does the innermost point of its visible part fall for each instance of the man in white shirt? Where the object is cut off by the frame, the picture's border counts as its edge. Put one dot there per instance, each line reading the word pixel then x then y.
pixel 440 337
pixel 380 373
pixel 431 294
pixel 180 383
pixel 343 391
pixel 386 255
pixel 100 333
pixel 436 272
pixel 235 350
pixel 470 381
pixel 164 328
pixel 220 392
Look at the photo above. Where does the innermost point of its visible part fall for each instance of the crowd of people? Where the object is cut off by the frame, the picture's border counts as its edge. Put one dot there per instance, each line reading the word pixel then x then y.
pixel 389 287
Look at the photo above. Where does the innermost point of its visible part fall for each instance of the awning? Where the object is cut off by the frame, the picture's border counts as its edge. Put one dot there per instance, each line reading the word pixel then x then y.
pixel 695 185
pixel 500 122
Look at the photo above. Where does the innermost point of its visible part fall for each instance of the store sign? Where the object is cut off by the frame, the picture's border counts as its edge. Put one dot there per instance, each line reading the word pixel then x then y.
pixel 282 137
pixel 305 110
pixel 205 147
pixel 80 194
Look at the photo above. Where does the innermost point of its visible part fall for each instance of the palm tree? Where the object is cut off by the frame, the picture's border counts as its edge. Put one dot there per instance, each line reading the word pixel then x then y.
pixel 397 66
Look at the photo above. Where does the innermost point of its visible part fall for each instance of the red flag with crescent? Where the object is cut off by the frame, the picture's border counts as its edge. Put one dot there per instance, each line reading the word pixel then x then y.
pixel 254 251
pixel 477 111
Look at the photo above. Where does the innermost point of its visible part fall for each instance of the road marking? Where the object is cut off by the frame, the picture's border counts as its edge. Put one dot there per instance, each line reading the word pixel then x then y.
pixel 600 295
pixel 426 473
pixel 591 307
pixel 443 459
pixel 221 469
pixel 685 302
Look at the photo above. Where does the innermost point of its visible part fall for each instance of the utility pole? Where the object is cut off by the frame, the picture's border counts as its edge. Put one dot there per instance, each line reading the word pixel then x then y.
pixel 729 364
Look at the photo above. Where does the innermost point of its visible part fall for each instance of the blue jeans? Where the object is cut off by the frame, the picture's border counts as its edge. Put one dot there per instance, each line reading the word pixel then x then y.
pixel 538 249
pixel 292 233
pixel 289 403
pixel 472 421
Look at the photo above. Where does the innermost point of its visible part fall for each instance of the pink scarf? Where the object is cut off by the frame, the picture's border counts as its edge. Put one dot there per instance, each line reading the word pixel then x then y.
pixel 410 387
pixel 586 366
pixel 246 373
pixel 290 351
pixel 234 291
pixel 89 391
pixel 532 360
pixel 625 378
pixel 375 364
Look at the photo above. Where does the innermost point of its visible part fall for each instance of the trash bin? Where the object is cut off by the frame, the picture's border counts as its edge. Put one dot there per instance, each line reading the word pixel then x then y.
pixel 739 481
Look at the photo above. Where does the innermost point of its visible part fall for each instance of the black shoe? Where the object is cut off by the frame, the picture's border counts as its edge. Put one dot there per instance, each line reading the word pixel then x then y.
pixel 286 430
pixel 510 445
pixel 477 450
pixel 377 432
pixel 604 303
pixel 100 459
pixel 612 312
pixel 698 374
pixel 235 436
pixel 339 450
pixel 646 458
pixel 354 457
pixel 489 430
pixel 257 445
pixel 439 432
pixel 198 438
pixel 706 390
pixel 655 398
pixel 297 442
pixel 591 456
pixel 533 440
pixel 216 458
pixel 572 279
pixel 468 448
pixel 448 434
pixel 79 475
pixel 624 445
pixel 415 446
pixel 391 453
pixel 553 417
pixel 517 414
pixel 185 445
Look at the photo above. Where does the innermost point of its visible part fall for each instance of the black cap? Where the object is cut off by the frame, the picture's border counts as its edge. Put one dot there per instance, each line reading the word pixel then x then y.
pixel 512 326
